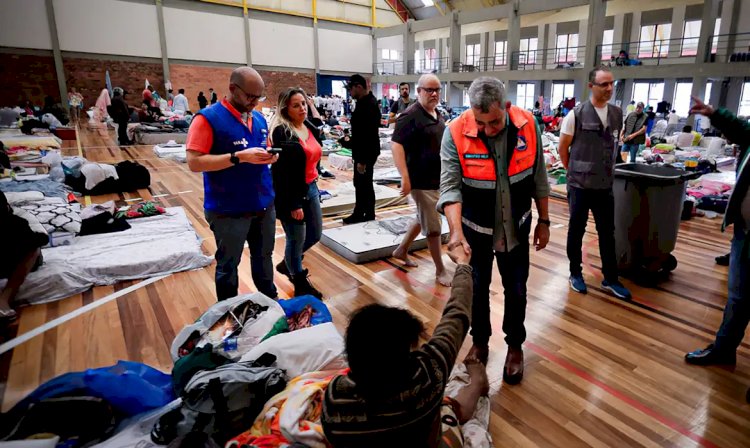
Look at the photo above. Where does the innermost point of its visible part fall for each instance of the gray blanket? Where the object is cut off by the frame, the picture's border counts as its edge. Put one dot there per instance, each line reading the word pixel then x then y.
pixel 152 246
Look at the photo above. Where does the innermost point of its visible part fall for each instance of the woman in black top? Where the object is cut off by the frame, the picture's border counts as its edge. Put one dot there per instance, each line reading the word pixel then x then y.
pixel 295 177
pixel 202 100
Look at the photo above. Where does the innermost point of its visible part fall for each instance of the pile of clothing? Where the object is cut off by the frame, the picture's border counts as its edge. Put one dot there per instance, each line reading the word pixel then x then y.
pixel 100 178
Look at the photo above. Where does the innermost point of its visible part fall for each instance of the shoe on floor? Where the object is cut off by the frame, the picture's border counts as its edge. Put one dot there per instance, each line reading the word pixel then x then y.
pixel 302 286
pixel 282 269
pixel 327 174
pixel 353 219
pixel 722 260
pixel 577 284
pixel 617 289
pixel 513 369
pixel 709 356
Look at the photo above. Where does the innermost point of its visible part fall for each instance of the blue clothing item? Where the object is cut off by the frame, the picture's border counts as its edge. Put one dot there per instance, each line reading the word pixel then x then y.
pixel 302 235
pixel 231 232
pixel 129 387
pixel 617 289
pixel 321 314
pixel 737 310
pixel 48 187
pixel 244 188
pixel 632 149
pixel 577 284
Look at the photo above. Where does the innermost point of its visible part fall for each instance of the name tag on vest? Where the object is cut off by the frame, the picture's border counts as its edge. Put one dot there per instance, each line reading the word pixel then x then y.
pixel 476 156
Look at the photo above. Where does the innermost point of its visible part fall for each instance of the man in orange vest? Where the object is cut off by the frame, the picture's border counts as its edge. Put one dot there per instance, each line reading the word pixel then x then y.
pixel 492 167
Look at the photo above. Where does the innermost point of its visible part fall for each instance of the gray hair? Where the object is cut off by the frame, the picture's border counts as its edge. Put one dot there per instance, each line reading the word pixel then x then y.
pixel 485 91
pixel 426 77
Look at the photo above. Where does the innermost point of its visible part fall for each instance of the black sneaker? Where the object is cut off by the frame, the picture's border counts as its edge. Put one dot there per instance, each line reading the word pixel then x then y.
pixel 327 174
pixel 353 219
pixel 722 260
pixel 302 286
pixel 282 269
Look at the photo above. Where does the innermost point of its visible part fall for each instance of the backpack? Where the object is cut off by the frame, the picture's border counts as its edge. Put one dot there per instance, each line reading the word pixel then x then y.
pixel 222 402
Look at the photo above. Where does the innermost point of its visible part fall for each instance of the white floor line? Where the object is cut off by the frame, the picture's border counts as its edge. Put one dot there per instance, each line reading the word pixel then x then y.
pixel 15 342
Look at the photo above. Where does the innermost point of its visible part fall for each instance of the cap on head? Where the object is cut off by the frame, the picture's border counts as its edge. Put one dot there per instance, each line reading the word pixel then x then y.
pixel 356 80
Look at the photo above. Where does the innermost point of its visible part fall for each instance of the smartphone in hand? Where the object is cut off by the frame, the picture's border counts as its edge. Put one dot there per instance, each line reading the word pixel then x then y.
pixel 273 151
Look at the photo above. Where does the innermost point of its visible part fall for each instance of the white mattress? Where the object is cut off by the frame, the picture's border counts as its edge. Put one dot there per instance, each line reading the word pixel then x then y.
pixel 368 241
pixel 386 175
pixel 344 163
pixel 151 247
pixel 344 200
pixel 176 152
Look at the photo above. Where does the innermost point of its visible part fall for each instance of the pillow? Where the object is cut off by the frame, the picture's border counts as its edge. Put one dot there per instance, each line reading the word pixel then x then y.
pixel 55 217
pixel 34 223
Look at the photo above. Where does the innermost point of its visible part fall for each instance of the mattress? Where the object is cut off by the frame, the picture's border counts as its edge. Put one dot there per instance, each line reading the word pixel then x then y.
pixel 386 176
pixel 155 138
pixel 31 141
pixel 345 163
pixel 173 151
pixel 344 200
pixel 152 246
pixel 368 241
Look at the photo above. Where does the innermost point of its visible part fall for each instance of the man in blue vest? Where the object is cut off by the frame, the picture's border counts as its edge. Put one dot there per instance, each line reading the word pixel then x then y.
pixel 227 142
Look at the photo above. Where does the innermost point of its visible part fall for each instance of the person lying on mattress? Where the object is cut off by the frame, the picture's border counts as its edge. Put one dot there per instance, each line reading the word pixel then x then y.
pixel 393 394
pixel 21 254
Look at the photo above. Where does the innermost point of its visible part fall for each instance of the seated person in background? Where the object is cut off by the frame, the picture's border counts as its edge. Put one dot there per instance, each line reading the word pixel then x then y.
pixel 673 117
pixel 393 395
pixel 21 255
pixel 148 114
pixel 685 138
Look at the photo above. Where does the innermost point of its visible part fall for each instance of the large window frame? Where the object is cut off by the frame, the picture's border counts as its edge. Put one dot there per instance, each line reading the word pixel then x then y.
pixel 654 92
pixel 525 95
pixel 473 52
pixel 607 44
pixel 528 48
pixel 566 49
pixel 561 91
pixel 501 52
pixel 691 32
pixel 654 41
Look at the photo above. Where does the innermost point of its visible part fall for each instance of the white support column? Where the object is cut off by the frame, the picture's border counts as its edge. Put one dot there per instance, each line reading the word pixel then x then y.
pixel 627 93
pixel 618 35
pixel 699 91
pixel 482 51
pixel 514 34
pixel 57 55
pixel 734 94
pixel 454 49
pixel 594 32
pixel 669 88
pixel 728 25
pixel 710 13
pixel 678 26
pixel 511 89
pixel 462 49
pixel 542 44
pixel 163 40
pixel 583 52
pixel 551 44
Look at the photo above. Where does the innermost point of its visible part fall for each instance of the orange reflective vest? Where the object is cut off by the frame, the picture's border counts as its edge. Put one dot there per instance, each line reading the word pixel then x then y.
pixel 476 159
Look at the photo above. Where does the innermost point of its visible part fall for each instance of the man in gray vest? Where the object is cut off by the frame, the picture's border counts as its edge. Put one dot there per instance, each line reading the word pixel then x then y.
pixel 588 149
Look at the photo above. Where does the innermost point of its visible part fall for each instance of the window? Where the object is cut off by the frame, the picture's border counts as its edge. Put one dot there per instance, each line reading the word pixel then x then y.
pixel 472 54
pixel 654 42
pixel 690 36
pixel 394 55
pixel 525 96
pixel 386 54
pixel 566 49
pixel 707 96
pixel 607 44
pixel 650 93
pixel 744 109
pixel 430 62
pixel 560 91
pixel 715 38
pixel 501 48
pixel 528 51
pixel 681 102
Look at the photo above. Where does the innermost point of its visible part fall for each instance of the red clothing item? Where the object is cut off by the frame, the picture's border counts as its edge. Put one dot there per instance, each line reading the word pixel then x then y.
pixel 313 153
pixel 147 96
pixel 200 136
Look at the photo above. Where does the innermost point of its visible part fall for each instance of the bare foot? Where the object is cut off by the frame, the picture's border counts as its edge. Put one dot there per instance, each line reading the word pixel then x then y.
pixel 403 255
pixel 444 278
pixel 478 353
pixel 478 374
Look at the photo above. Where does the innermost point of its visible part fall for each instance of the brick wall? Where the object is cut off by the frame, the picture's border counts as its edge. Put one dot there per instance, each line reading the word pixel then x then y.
pixel 196 78
pixel 27 77
pixel 88 77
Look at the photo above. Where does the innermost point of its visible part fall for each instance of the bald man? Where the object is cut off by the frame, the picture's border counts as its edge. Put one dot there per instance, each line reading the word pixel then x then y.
pixel 416 153
pixel 227 143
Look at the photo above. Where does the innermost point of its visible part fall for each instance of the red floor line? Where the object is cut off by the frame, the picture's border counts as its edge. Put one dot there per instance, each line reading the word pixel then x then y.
pixel 621 396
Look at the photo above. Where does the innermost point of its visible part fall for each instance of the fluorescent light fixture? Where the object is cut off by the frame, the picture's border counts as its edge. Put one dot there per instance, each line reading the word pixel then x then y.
pixel 428 3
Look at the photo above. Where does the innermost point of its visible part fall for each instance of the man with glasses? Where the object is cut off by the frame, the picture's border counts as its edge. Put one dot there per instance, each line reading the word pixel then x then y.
pixel 365 145
pixel 588 149
pixel 492 168
pixel 227 142
pixel 416 153
pixel 634 134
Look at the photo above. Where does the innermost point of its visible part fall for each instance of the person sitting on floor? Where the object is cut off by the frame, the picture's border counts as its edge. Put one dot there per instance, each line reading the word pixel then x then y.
pixel 393 394
pixel 22 255
pixel 685 138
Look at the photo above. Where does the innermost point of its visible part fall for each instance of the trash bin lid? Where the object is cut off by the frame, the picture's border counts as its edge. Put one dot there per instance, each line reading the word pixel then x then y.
pixel 651 172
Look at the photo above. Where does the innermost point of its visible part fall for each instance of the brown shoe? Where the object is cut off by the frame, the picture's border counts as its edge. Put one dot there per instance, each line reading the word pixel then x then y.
pixel 480 353
pixel 513 370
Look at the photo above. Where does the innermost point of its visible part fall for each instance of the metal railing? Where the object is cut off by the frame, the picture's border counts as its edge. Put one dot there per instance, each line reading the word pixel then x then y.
pixel 651 52
pixel 389 68
pixel 485 64
pixel 548 58
pixel 428 65
pixel 729 48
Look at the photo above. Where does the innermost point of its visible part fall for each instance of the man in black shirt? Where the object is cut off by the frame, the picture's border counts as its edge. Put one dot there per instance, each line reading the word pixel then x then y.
pixel 214 97
pixel 365 145
pixel 416 153
pixel 399 106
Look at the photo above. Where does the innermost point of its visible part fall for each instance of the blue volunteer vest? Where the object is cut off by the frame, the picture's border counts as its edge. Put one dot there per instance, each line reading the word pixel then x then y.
pixel 244 188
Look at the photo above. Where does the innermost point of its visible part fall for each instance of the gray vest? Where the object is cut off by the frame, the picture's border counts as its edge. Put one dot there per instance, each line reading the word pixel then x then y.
pixel 594 148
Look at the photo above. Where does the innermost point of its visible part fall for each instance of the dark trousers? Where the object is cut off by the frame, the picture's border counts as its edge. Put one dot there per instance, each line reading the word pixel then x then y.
pixel 364 192
pixel 602 205
pixel 737 310
pixel 231 233
pixel 122 131
pixel 514 271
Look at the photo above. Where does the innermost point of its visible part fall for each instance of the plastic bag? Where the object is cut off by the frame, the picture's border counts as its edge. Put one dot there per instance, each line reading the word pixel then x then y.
pixel 295 305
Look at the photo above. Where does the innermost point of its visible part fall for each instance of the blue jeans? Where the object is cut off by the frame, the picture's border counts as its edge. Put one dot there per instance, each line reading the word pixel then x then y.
pixel 231 232
pixel 737 310
pixel 302 235
pixel 514 272
pixel 632 149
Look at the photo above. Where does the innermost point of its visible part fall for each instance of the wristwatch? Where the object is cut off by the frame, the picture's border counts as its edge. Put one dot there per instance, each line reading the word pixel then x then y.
pixel 234 159
pixel 546 222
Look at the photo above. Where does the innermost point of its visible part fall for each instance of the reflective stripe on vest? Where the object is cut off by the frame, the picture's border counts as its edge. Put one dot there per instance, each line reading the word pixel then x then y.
pixel 477 163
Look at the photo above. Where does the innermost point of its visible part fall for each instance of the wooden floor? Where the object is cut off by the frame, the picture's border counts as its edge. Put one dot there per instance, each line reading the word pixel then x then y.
pixel 599 371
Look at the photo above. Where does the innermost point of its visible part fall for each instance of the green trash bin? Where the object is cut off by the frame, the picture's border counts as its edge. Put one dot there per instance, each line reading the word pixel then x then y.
pixel 648 207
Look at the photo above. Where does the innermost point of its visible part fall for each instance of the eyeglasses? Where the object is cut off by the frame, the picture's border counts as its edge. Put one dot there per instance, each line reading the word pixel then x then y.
pixel 430 91
pixel 604 84
pixel 260 98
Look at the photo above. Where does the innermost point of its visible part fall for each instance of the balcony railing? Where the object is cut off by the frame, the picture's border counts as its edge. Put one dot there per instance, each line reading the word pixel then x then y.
pixel 651 52
pixel 486 64
pixel 548 58
pixel 389 68
pixel 429 65
pixel 729 48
